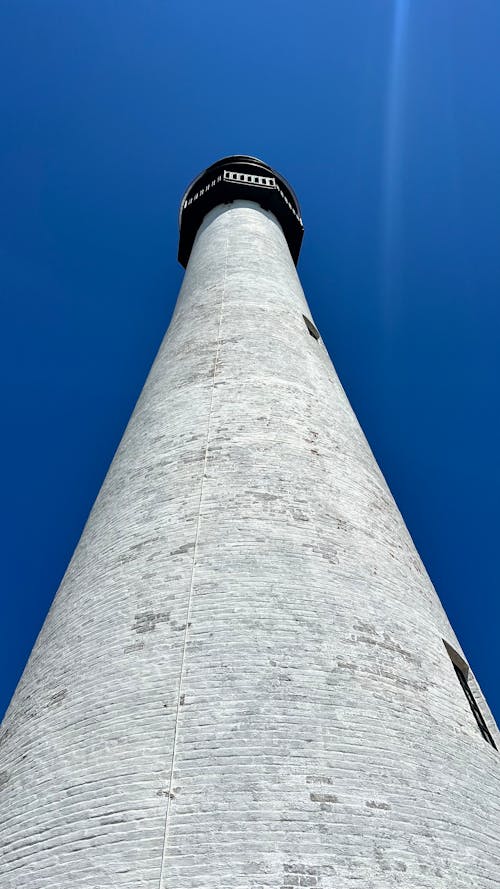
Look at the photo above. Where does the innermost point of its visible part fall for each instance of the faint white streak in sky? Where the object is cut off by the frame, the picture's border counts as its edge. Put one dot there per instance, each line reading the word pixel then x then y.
pixel 393 160
pixel 449 112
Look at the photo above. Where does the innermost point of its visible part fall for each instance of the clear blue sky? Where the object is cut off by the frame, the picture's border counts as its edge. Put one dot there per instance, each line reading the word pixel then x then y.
pixel 385 117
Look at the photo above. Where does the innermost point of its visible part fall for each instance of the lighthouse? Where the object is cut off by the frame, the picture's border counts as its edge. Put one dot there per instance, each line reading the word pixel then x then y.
pixel 246 679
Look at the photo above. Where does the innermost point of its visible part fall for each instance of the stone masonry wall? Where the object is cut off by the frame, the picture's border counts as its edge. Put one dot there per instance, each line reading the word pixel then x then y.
pixel 242 681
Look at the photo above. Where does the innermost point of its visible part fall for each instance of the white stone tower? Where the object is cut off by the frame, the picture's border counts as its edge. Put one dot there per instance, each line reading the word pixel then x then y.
pixel 246 680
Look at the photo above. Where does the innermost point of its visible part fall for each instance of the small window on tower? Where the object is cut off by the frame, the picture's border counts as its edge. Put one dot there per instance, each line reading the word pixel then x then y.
pixel 462 673
pixel 311 328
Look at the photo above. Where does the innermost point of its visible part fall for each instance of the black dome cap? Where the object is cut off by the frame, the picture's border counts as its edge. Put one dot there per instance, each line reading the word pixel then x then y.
pixel 239 177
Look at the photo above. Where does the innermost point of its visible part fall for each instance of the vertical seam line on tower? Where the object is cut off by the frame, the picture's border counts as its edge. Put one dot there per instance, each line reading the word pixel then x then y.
pixel 193 567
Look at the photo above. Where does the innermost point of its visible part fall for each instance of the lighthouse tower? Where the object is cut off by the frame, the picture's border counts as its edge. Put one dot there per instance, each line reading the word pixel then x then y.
pixel 246 679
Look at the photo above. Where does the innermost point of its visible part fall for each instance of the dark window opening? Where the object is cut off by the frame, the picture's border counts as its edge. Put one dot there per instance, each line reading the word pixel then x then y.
pixel 311 328
pixel 462 670
pixel 483 728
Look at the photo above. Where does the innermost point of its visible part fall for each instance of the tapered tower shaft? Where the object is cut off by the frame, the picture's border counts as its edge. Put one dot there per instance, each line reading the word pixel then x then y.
pixel 243 681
